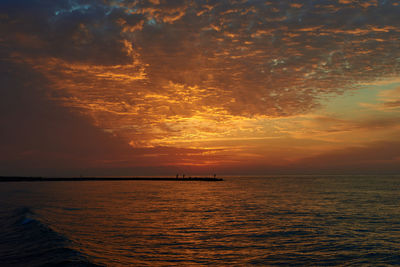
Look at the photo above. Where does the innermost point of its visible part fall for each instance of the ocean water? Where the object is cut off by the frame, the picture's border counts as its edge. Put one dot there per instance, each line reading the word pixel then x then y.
pixel 275 220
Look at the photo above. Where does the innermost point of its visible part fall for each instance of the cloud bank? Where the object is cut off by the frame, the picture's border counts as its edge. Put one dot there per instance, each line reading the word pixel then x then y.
pixel 158 73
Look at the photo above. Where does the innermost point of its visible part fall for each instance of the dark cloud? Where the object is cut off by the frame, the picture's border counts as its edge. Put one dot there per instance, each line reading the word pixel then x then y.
pixel 37 133
pixel 379 156
pixel 332 124
pixel 84 31
pixel 369 158
pixel 41 137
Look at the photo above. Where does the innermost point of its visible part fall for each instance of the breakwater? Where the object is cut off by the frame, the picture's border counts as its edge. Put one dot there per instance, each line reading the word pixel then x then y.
pixel 77 179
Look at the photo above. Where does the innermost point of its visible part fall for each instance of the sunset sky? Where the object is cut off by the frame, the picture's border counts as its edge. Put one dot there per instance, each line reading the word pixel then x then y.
pixel 113 87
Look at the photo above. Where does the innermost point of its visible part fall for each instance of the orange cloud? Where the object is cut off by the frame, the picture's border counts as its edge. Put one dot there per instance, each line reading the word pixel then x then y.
pixel 201 81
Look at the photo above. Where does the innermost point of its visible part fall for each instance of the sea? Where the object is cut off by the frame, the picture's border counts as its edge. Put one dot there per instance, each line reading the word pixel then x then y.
pixel 293 220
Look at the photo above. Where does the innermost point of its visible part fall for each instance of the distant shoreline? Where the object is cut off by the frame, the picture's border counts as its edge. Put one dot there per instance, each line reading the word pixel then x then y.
pixel 78 179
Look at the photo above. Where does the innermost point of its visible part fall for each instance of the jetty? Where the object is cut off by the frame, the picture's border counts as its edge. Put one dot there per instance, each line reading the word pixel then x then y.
pixel 79 179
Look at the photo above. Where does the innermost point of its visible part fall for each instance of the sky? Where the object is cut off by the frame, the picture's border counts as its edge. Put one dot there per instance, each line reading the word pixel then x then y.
pixel 125 88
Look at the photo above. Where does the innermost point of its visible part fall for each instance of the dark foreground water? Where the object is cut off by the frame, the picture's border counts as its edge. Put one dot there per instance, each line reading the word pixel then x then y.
pixel 292 220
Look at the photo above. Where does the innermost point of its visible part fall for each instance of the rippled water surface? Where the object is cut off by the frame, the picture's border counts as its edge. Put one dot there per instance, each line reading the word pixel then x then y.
pixel 296 220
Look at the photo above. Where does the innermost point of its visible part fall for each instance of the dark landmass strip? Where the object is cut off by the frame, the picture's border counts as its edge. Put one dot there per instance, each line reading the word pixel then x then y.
pixel 77 179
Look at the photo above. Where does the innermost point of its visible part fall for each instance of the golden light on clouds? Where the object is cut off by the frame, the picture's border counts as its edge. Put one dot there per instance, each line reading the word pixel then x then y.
pixel 237 84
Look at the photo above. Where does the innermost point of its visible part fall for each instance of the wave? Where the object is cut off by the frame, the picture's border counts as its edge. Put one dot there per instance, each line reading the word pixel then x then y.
pixel 26 241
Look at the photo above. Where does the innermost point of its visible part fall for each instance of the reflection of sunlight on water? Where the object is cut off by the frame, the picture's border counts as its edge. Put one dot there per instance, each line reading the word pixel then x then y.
pixel 307 220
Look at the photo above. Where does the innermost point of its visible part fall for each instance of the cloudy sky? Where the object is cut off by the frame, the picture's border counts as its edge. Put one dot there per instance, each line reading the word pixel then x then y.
pixel 114 87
